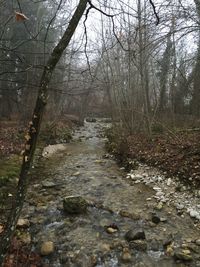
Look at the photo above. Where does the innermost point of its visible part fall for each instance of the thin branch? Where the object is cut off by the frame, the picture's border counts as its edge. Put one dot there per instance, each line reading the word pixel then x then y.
pixel 154 11
pixel 86 38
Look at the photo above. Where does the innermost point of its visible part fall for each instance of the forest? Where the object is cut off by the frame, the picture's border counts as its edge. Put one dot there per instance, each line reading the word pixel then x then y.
pixel 100 133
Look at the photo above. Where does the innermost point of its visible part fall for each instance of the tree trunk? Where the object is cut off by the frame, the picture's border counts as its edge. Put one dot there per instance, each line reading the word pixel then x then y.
pixel 195 107
pixel 34 128
pixel 165 65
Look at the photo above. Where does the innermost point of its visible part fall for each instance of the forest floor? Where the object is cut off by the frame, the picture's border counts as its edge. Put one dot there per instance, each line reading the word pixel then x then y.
pixel 176 154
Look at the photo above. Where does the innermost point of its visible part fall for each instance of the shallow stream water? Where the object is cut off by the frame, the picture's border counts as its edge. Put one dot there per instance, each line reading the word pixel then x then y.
pixel 85 169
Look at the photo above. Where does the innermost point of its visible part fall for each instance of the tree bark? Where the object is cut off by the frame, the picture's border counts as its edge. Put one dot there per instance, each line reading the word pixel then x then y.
pixel 34 128
pixel 195 107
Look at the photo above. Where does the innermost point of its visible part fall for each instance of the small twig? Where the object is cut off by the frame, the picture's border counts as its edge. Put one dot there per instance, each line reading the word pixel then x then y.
pixel 113 24
pixel 104 13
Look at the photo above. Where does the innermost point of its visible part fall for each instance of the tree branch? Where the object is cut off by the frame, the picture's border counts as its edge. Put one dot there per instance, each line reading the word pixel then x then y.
pixel 154 11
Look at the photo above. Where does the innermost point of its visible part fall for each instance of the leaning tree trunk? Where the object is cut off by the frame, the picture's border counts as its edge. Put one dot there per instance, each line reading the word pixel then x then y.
pixel 34 128
pixel 195 107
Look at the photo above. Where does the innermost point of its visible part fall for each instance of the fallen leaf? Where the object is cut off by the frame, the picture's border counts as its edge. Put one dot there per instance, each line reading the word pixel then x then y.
pixel 20 16
pixel 1 228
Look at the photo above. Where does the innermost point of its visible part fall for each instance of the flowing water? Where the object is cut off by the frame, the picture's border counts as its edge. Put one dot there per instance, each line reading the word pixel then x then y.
pixel 85 169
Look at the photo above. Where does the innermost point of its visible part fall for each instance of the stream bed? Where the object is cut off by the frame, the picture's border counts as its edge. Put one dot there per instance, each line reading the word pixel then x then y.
pixel 120 206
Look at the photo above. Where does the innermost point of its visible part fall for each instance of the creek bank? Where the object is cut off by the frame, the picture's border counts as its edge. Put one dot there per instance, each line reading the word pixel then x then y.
pixel 177 154
pixel 169 190
pixel 12 137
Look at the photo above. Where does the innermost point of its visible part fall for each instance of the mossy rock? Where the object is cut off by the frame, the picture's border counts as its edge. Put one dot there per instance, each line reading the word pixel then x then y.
pixel 75 205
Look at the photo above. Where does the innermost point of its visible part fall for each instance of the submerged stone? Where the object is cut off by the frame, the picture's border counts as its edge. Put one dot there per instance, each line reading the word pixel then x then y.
pixel 140 245
pixel 155 218
pixel 126 255
pixel 74 204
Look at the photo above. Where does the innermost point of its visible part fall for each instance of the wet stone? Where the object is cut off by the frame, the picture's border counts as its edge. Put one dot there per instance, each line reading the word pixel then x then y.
pixel 159 206
pixel 47 248
pixel 197 242
pixel 126 255
pixel 135 235
pixel 127 214
pixel 48 184
pixel 140 245
pixel 111 230
pixel 183 255
pixel 91 120
pixel 105 247
pixel 23 223
pixel 155 218
pixel 75 205
pixel 154 245
pixel 168 241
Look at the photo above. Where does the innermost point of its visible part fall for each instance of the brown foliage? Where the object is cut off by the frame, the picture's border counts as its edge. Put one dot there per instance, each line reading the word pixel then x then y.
pixel 20 255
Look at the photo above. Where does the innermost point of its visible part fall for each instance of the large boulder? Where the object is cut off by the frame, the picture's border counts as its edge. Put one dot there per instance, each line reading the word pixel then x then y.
pixel 75 204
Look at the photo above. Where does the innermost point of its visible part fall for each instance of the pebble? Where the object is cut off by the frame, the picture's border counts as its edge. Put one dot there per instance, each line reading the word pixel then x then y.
pixel 155 219
pixel 23 223
pixel 76 174
pixel 162 219
pixel 159 206
pixel 183 255
pixel 169 181
pixel 197 242
pixel 48 184
pixel 47 248
pixel 159 194
pixel 156 188
pixel 126 255
pixel 74 204
pixel 179 206
pixel 111 230
pixel 194 214
pixel 140 245
pixel 105 247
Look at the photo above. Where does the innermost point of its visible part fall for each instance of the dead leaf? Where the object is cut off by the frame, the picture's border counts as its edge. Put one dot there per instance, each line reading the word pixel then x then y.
pixel 20 16
pixel 1 228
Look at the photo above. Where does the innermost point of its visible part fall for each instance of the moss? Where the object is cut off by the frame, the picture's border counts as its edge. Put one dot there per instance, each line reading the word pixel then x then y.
pixel 9 169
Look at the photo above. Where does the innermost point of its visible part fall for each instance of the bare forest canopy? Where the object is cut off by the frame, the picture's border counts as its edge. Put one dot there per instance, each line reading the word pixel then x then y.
pixel 137 61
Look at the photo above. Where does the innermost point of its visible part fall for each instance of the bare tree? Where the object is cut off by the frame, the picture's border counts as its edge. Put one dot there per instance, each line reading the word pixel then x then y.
pixel 32 135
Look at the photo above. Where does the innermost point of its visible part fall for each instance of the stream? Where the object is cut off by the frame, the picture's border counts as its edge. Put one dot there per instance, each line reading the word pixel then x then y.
pixel 116 202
